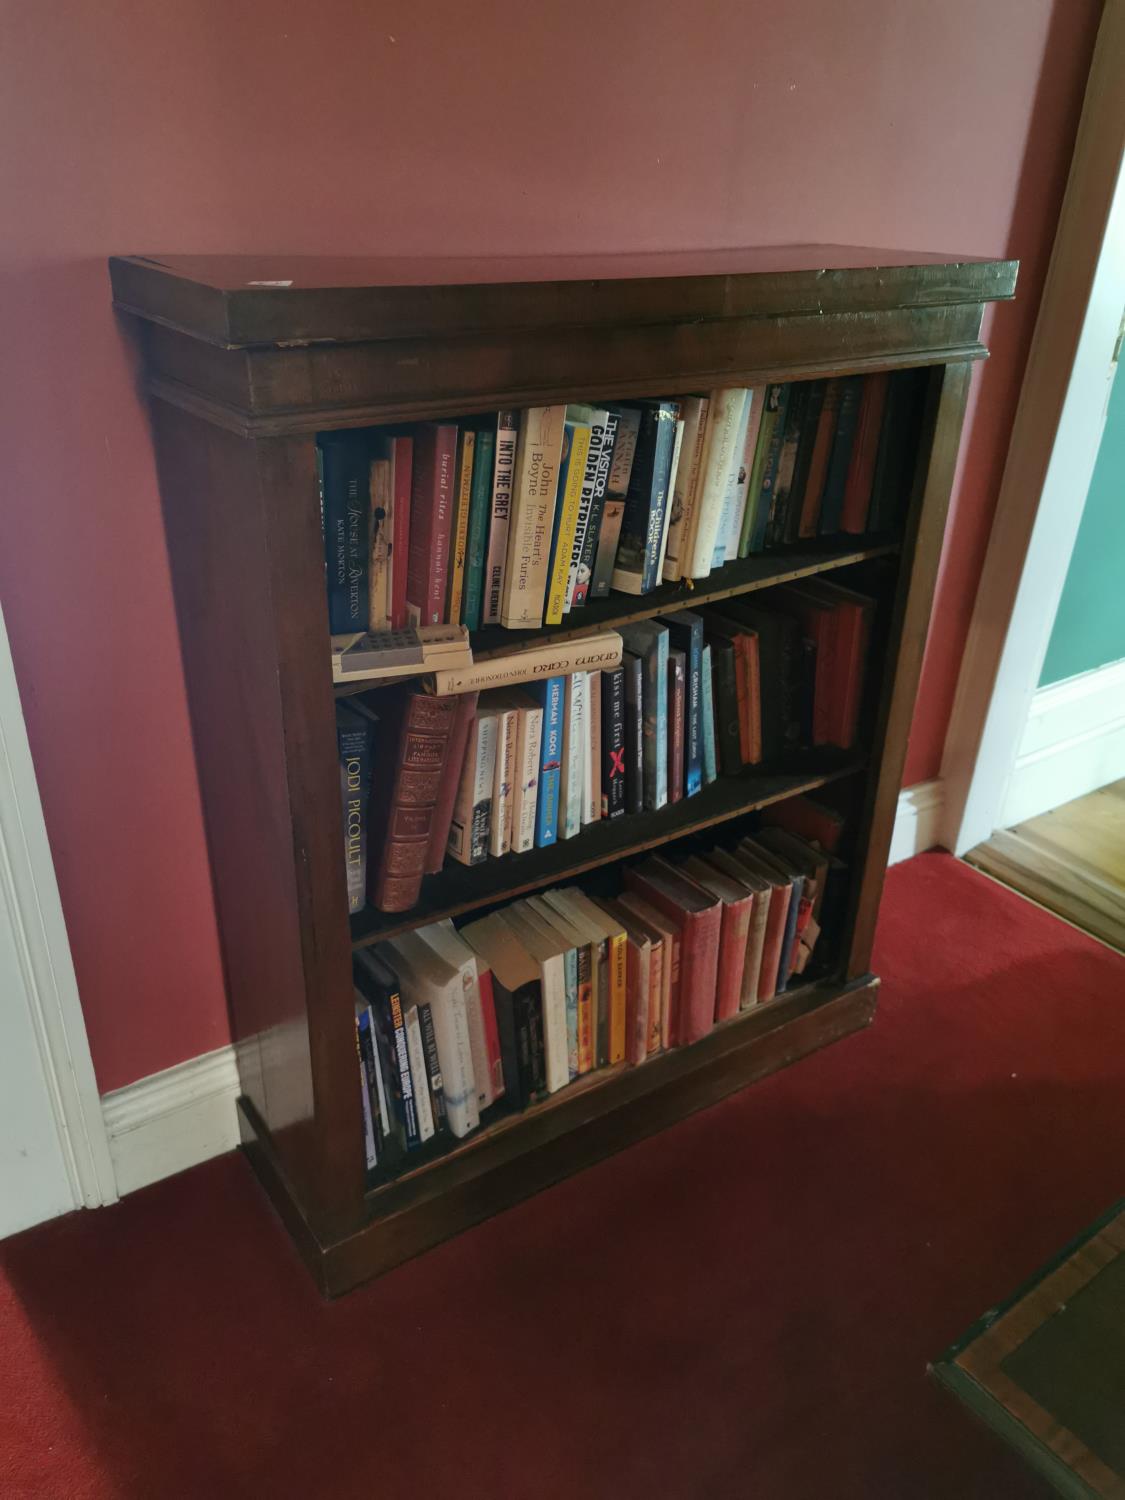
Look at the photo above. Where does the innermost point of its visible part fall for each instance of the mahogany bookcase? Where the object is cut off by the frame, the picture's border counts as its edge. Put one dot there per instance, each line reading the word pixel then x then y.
pixel 246 360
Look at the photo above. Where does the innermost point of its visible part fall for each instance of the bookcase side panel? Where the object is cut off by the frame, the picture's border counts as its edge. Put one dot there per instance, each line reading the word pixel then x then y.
pixel 224 574
pixel 946 396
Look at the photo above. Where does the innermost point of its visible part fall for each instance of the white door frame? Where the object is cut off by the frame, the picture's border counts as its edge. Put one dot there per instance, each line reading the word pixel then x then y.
pixel 29 890
pixel 1054 445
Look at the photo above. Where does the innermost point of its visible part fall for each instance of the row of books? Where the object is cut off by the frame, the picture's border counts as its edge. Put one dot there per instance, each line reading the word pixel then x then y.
pixel 471 774
pixel 518 1004
pixel 520 518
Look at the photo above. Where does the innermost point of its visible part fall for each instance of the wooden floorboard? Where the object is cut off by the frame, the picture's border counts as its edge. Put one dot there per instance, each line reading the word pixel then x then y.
pixel 1070 860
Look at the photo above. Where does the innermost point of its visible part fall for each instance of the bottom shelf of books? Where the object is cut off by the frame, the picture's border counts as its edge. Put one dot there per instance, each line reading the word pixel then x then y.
pixel 466 1032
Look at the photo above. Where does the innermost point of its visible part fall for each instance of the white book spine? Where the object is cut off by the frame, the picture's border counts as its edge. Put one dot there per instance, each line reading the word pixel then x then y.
pixel 555 1045
pixel 585 653
pixel 472 811
pixel 533 511
pixel 465 1115
pixel 478 1046
pixel 570 796
pixel 745 464
pixel 721 553
pixel 592 751
pixel 528 743
pixel 500 836
pixel 673 470
pixel 503 480
pixel 695 409
pixel 727 406
pixel 418 1071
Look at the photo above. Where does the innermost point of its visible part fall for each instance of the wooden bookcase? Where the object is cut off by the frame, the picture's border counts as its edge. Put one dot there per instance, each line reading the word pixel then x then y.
pixel 246 361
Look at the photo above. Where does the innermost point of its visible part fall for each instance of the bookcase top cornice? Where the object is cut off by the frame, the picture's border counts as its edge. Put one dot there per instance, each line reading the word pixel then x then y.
pixel 285 301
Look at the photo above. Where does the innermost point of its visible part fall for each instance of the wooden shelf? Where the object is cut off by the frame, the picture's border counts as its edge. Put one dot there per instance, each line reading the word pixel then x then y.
pixel 457 889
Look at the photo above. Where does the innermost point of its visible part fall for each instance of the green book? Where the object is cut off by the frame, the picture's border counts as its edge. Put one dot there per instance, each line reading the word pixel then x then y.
pixel 480 510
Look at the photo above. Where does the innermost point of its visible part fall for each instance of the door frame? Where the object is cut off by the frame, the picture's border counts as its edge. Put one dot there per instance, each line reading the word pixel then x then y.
pixel 29 890
pixel 1051 456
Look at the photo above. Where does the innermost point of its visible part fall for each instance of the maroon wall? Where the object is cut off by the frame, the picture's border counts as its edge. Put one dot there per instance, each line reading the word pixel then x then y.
pixel 344 127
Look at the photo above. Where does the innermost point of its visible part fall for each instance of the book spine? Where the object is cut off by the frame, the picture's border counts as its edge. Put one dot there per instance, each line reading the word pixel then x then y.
pixel 533 512
pixel 528 750
pixel 638 961
pixel 459 531
pixel 504 775
pixel 732 958
pixel 451 1026
pixel 411 768
pixel 602 439
pixel 633 667
pixel 718 462
pixel 550 762
pixel 363 1044
pixel 379 550
pixel 616 962
pixel 418 1073
pixel 463 717
pixel 477 540
pixel 613 743
pixel 755 942
pixel 809 519
pixel 728 717
pixel 588 653
pixel 570 794
pixel 396 1042
pixel 380 1108
pixel 472 811
pixel 676 703
pixel 693 722
pixel 355 777
pixel 815 391
pixel 486 994
pixel 861 469
pixel 469 997
pixel 745 468
pixel 839 460
pixel 686 486
pixel 613 509
pixel 730 490
pixel 587 1045
pixel 592 750
pixel 673 467
pixel 655 694
pixel 433 1067
pixel 637 570
pixel 707 711
pixel 402 482
pixel 777 398
pixel 431 519
pixel 570 991
pixel 346 502
pixel 572 477
pixel 503 482
pixel 787 462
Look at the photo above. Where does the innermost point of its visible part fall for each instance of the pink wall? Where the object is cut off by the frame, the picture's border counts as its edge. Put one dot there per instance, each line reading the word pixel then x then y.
pixel 348 127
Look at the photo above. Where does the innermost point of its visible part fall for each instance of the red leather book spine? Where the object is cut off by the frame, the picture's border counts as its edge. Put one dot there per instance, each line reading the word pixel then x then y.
pixel 463 717
pixel 853 655
pixel 732 957
pixel 775 936
pixel 431 522
pixel 699 959
pixel 861 470
pixel 403 452
pixel 404 792
pixel 818 464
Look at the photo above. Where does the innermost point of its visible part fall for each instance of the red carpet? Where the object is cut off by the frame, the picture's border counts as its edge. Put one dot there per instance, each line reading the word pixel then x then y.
pixel 743 1306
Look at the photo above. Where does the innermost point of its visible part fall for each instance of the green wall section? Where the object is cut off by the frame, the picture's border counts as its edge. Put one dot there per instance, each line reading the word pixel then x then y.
pixel 1089 629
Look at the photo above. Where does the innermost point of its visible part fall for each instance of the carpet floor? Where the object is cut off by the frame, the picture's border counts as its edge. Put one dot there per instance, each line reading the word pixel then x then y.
pixel 744 1305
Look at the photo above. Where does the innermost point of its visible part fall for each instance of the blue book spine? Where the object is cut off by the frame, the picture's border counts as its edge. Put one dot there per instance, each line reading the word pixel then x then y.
pixel 660 499
pixel 570 969
pixel 707 701
pixel 836 476
pixel 551 693
pixel 693 729
pixel 780 403
pixel 345 508
pixel 790 930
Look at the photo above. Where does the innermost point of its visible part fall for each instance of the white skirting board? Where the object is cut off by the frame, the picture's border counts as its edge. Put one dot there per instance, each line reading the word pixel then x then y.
pixel 1073 743
pixel 176 1119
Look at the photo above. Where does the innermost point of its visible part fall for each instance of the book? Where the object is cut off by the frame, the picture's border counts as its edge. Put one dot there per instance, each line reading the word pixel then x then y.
pixel 738 904
pixel 586 653
pixel 699 916
pixel 779 674
pixel 667 950
pixel 685 631
pixel 742 480
pixel 345 502
pixel 767 930
pixel 633 668
pixel 743 643
pixel 638 972
pixel 583 908
pixel 853 615
pixel 380 986
pixel 518 1004
pixel 459 529
pixel 720 458
pixel 433 1068
pixel 628 420
pixel 354 740
pixel 476 993
pixel 476 544
pixel 728 727
pixel 898 448
pixel 861 469
pixel 788 887
pixel 636 570
pixel 602 446
pixel 470 825
pixel 813 821
pixel 649 640
pixel 806 444
pixel 504 770
pixel 772 436
pixel 503 483
pixel 676 715
pixel 549 955
pixel 536 927
pixel 571 482
pixel 463 716
pixel 795 410
pixel 582 954
pixel 379 546
pixel 732 868
pixel 574 741
pixel 396 451
pixel 363 1043
pixel 418 1073
pixel 613 742
pixel 707 710
pixel 431 517
pixel 550 692
pixel 677 446
pixel 525 782
pixel 430 979
pixel 532 516
pixel 694 411
pixel 406 652
pixel 405 784
pixel 389 1145
pixel 592 751
pixel 808 522
pixel 840 456
pixel 728 509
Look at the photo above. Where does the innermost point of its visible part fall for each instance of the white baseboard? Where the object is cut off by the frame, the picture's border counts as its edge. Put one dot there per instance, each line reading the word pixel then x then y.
pixel 172 1120
pixel 1073 743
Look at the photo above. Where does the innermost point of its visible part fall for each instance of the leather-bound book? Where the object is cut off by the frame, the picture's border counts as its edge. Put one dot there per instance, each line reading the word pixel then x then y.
pixel 404 793
pixel 698 914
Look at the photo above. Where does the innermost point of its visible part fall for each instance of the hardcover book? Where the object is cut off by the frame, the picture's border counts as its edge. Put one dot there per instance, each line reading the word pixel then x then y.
pixel 431 519
pixel 628 420
pixel 727 512
pixel 676 715
pixel 533 513
pixel 592 751
pixel 463 716
pixel 770 441
pixel 707 701
pixel 636 570
pixel 462 501
pixel 699 917
pixel 694 410
pixel 549 955
pixel 406 781
pixel 429 979
pixel 649 641
pixel 344 467
pixel 517 998
pixel 503 483
pixel 379 547
pixel 354 738
pixel 470 826
pixel 865 450
pixel 839 459
pixel 572 478
pixel 476 545
pixel 685 632
pixel 551 693
pixel 603 435
pixel 722 454
pixel 808 522
pixel 587 653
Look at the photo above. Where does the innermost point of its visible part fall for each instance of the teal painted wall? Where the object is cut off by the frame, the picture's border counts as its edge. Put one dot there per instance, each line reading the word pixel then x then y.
pixel 1089 629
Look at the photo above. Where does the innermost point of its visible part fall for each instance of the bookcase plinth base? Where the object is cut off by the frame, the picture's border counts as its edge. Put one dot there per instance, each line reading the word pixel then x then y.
pixel 404 1218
